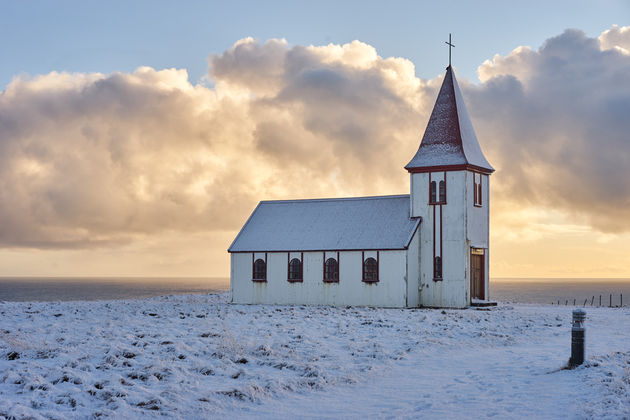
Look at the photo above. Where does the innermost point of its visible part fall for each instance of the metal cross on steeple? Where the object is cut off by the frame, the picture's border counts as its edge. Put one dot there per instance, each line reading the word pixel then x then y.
pixel 450 46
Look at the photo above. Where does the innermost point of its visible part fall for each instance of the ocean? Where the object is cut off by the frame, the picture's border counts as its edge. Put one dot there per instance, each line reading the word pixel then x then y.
pixel 561 290
pixel 542 291
pixel 26 289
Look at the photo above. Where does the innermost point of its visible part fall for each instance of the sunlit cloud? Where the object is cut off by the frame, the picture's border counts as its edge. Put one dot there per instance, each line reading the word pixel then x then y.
pixel 108 160
pixel 616 38
pixel 555 121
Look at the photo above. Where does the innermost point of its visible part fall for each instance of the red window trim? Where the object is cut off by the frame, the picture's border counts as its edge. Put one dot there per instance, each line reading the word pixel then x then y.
pixel 301 279
pixel 253 261
pixel 445 190
pixel 363 268
pixel 324 269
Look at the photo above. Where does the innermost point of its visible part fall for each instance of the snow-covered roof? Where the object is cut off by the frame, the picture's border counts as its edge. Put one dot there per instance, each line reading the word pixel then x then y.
pixel 449 139
pixel 360 223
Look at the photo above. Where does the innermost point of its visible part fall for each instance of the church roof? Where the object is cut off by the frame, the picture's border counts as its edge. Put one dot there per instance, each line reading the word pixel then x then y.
pixel 449 141
pixel 363 223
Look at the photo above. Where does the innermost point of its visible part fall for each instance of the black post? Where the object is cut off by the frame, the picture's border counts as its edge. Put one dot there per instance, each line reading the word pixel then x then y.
pixel 592 300
pixel 577 338
pixel 585 300
pixel 600 300
pixel 621 299
pixel 610 304
pixel 573 302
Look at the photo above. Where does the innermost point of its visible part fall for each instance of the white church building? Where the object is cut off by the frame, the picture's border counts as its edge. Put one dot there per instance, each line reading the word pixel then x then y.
pixel 428 248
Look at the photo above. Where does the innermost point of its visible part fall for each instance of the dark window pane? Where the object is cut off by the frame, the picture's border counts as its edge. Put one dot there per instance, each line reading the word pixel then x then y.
pixel 260 270
pixel 332 270
pixel 370 270
pixel 432 188
pixel 295 269
pixel 442 192
pixel 438 267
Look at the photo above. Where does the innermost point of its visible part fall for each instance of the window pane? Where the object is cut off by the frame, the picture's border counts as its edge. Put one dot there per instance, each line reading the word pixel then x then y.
pixel 438 267
pixel 432 188
pixel 332 270
pixel 260 272
pixel 370 270
pixel 442 192
pixel 295 269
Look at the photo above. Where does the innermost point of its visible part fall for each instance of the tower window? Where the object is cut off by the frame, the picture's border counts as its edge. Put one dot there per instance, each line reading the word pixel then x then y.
pixel 477 191
pixel 437 192
pixel 260 270
pixel 437 268
pixel 331 271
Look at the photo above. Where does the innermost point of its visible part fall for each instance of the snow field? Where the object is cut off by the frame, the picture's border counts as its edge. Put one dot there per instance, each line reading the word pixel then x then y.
pixel 194 356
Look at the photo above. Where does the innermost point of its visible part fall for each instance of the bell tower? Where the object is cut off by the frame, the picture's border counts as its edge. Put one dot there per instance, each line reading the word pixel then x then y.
pixel 450 191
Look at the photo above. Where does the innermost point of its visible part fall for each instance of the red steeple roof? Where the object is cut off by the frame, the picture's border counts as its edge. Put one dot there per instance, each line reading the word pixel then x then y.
pixel 449 141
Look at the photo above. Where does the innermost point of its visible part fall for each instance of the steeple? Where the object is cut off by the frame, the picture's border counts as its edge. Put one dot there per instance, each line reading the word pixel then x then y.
pixel 449 141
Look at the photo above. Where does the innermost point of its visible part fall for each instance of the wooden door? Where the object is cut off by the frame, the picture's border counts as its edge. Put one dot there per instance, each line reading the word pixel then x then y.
pixel 477 278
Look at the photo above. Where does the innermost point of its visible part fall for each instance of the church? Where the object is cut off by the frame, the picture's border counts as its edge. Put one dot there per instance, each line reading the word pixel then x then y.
pixel 425 249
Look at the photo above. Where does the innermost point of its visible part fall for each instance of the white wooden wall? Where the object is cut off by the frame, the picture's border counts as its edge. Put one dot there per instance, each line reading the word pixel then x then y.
pixel 463 226
pixel 478 220
pixel 413 271
pixel 390 291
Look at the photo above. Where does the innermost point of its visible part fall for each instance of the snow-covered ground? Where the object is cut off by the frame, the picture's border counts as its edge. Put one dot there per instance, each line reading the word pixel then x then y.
pixel 195 356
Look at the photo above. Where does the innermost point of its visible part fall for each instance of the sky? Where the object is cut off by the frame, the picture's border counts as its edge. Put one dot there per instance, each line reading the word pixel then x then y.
pixel 137 137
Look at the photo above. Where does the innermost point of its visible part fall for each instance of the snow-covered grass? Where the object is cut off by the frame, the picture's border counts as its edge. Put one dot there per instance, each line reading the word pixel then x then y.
pixel 194 356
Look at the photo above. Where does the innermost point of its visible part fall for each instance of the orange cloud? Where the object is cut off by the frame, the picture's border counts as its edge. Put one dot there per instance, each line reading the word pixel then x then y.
pixel 105 160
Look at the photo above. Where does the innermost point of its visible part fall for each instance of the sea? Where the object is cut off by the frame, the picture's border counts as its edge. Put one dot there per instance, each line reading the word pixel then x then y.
pixel 562 291
pixel 50 289
pixel 565 291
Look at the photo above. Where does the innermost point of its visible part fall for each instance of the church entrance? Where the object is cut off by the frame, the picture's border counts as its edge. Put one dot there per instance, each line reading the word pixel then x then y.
pixel 477 275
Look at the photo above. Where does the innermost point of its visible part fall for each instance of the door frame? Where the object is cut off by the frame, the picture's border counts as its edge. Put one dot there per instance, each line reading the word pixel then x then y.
pixel 482 253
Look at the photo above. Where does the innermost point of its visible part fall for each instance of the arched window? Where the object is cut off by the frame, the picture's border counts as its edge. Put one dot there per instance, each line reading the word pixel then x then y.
pixel 442 192
pixel 370 270
pixel 295 270
pixel 331 270
pixel 432 193
pixel 260 270
pixel 437 268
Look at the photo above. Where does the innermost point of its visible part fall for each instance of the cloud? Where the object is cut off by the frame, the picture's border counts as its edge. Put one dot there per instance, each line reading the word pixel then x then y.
pixel 616 38
pixel 94 159
pixel 555 120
